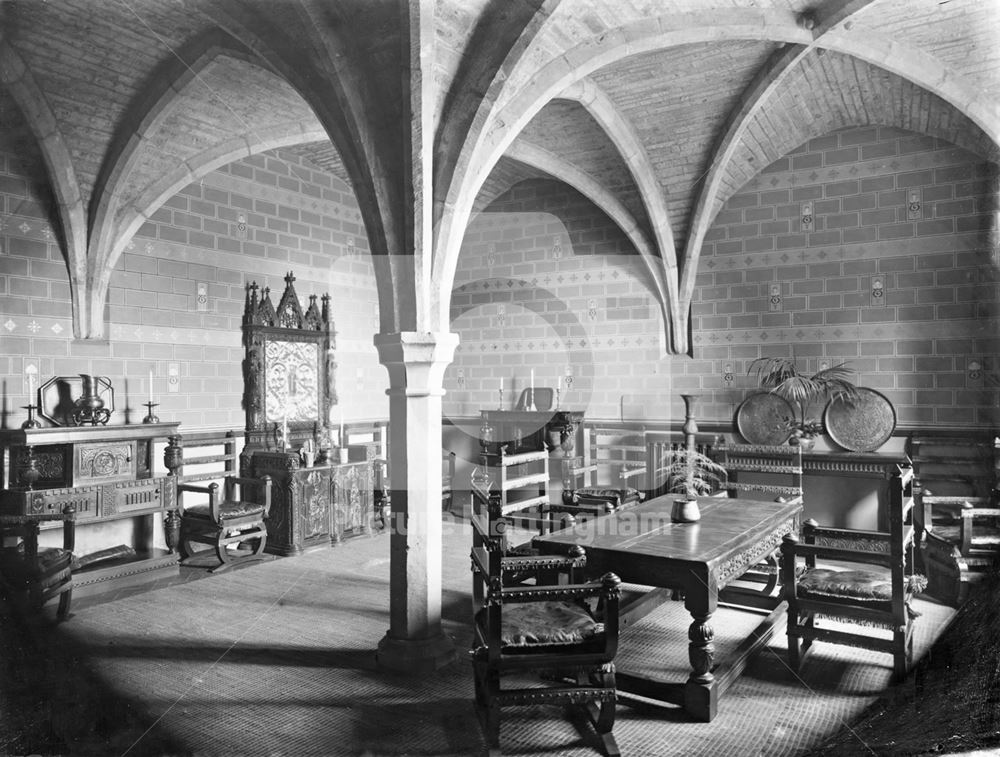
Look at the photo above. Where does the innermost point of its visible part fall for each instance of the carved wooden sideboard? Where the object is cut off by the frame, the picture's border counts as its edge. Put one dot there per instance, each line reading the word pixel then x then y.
pixel 317 506
pixel 528 430
pixel 105 472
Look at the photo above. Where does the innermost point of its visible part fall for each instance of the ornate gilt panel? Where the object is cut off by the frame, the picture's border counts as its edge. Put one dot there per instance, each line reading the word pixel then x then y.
pixel 291 385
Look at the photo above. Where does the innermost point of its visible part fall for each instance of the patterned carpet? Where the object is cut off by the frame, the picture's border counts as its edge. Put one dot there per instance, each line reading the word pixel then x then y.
pixel 278 659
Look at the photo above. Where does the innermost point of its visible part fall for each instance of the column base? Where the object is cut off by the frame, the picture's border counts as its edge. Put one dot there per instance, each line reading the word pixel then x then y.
pixel 415 656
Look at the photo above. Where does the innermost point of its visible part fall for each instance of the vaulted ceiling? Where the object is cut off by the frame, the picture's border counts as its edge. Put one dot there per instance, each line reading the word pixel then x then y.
pixel 657 110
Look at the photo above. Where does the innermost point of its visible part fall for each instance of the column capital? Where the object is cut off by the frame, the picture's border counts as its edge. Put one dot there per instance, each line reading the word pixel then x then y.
pixel 416 347
pixel 416 360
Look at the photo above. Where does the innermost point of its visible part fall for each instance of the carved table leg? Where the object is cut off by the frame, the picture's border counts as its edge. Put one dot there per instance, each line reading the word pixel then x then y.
pixel 701 696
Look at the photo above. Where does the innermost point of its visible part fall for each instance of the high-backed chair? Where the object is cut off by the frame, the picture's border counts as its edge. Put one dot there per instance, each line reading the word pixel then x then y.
pixel 617 456
pixel 873 597
pixel 521 482
pixel 232 524
pixel 32 575
pixel 567 629
pixel 958 510
pixel 761 471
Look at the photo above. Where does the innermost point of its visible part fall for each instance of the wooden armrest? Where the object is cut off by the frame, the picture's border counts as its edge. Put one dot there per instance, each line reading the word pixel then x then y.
pixel 198 489
pixel 249 481
pixel 628 473
pixel 843 533
pixel 524 457
pixel 979 512
pixel 608 584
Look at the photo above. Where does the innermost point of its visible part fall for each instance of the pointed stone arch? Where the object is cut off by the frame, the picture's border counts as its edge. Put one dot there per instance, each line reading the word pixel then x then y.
pixel 189 171
pixel 37 113
pixel 144 116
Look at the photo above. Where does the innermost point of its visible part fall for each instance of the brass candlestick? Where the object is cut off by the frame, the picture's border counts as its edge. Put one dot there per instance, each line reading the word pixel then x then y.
pixel 150 417
pixel 31 422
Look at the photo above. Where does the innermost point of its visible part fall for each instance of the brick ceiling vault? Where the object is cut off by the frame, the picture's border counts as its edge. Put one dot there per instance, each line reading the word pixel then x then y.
pixel 154 155
pixel 420 102
pixel 738 141
pixel 527 90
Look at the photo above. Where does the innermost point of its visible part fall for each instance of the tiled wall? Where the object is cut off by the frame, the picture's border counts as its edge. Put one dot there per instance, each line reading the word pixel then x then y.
pixel 559 293
pixel 177 293
pixel 546 283
pixel 897 274
pixel 902 286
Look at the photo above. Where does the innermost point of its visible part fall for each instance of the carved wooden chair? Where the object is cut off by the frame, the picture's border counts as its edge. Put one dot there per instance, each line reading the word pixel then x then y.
pixel 878 596
pixel 617 456
pixel 958 511
pixel 232 524
pixel 32 575
pixel 761 471
pixel 567 631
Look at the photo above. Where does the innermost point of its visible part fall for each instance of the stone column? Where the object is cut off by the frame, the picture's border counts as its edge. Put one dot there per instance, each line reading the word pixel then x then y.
pixel 416 362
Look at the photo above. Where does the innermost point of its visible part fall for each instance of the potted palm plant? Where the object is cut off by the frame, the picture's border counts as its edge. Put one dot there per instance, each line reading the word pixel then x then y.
pixel 781 376
pixel 689 473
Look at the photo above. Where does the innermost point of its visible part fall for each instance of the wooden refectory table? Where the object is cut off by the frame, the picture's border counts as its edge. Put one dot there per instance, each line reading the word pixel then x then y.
pixel 642 546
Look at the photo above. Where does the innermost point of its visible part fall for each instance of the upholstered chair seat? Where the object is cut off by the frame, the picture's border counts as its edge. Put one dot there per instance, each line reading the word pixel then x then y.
pixel 526 624
pixel 227 510
pixel 615 499
pixel 33 573
pixel 12 559
pixel 873 585
pixel 984 535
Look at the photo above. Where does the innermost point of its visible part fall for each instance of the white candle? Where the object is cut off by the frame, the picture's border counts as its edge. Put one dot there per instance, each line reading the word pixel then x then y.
pixel 284 423
pixel 342 428
pixel 150 384
pixel 532 379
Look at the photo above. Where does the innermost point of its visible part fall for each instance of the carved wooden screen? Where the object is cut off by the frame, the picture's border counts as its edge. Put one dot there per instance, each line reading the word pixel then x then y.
pixel 288 370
